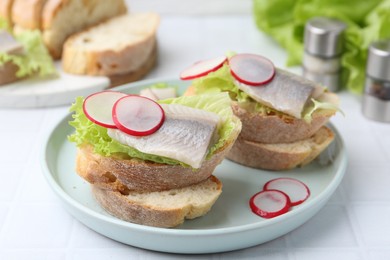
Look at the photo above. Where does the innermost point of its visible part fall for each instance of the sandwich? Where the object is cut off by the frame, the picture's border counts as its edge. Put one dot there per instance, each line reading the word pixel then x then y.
pixel 283 115
pixel 22 55
pixel 156 172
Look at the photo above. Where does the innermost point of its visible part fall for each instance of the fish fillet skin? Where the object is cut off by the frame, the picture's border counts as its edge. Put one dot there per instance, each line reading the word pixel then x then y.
pixel 185 135
pixel 287 92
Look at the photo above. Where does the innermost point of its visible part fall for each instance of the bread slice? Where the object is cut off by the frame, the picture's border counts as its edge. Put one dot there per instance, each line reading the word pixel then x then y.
pixel 121 172
pixel 8 73
pixel 6 11
pixel 27 14
pixel 276 128
pixel 281 156
pixel 117 47
pixel 161 208
pixel 62 18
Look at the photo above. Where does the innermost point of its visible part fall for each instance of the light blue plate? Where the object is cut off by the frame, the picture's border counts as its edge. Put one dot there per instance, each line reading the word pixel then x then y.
pixel 230 224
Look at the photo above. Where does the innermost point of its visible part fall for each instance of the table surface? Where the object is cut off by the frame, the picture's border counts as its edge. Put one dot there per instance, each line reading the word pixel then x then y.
pixel 354 224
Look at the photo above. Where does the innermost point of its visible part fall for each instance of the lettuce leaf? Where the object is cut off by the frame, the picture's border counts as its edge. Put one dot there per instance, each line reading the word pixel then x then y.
pixel 36 58
pixel 368 21
pixel 87 132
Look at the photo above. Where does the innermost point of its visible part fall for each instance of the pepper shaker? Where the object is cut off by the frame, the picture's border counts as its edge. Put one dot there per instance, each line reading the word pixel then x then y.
pixel 323 47
pixel 376 98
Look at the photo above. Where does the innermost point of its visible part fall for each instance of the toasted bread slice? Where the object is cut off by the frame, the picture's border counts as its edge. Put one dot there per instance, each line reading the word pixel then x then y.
pixel 276 128
pixel 62 18
pixel 281 156
pixel 120 172
pixel 161 208
pixel 130 45
pixel 8 73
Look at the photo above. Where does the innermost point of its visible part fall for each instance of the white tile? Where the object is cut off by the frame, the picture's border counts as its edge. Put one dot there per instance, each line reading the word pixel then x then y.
pixel 4 209
pixel 21 119
pixel 326 254
pixel 378 254
pixel 367 182
pixel 33 254
pixel 319 232
pixel 10 183
pixel 104 254
pixel 37 226
pixel 83 237
pixel 258 253
pixel 16 148
pixel 373 223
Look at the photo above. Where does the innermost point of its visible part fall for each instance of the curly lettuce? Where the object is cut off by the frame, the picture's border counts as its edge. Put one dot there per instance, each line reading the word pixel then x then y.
pixel 36 58
pixel 368 21
pixel 86 132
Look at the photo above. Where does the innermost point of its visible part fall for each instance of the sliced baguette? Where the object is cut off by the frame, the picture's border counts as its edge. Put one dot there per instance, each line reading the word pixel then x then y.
pixel 282 156
pixel 26 14
pixel 62 18
pixel 130 45
pixel 6 11
pixel 160 209
pixel 275 128
pixel 120 172
pixel 8 73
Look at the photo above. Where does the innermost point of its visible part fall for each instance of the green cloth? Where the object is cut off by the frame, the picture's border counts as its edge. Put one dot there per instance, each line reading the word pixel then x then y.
pixel 367 20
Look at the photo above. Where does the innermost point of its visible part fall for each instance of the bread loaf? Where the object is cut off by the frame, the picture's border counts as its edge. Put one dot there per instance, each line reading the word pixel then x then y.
pixel 27 14
pixel 62 18
pixel 160 208
pixel 117 47
pixel 6 11
pixel 280 156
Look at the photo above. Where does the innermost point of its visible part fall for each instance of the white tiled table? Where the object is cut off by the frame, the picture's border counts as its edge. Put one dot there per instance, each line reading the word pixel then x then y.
pixel 354 224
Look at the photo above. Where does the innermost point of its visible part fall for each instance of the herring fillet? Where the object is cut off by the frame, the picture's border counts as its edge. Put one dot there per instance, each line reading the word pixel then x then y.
pixel 185 135
pixel 287 92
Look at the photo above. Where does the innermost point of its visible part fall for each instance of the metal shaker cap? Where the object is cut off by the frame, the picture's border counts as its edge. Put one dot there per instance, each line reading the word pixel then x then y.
pixel 324 36
pixel 378 62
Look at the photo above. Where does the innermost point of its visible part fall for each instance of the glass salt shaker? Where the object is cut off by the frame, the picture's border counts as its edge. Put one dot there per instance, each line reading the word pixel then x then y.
pixel 376 98
pixel 323 47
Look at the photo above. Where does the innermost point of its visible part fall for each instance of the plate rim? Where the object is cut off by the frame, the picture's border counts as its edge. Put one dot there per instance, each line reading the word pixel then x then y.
pixel 327 192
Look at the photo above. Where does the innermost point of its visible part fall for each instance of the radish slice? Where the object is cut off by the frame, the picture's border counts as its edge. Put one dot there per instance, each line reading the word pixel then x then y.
pixel 98 107
pixel 252 69
pixel 295 189
pixel 202 68
pixel 136 115
pixel 270 203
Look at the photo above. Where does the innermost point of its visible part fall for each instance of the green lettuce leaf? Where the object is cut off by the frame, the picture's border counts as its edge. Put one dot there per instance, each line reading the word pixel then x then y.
pixel 368 21
pixel 87 132
pixel 36 58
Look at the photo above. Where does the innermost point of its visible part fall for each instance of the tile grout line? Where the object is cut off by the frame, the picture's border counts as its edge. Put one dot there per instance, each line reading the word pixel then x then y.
pixel 14 204
pixel 354 224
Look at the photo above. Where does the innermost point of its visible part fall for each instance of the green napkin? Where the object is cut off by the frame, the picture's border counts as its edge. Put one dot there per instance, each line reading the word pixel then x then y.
pixel 367 20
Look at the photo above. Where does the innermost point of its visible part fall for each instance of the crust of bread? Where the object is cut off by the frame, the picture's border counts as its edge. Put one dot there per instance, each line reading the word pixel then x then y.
pixel 82 58
pixel 282 156
pixel 8 73
pixel 27 14
pixel 120 172
pixel 277 128
pixel 120 79
pixel 62 18
pixel 161 209
pixel 6 10
pixel 274 128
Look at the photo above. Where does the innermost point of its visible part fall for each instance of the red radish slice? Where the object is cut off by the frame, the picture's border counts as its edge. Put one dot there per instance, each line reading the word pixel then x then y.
pixel 202 68
pixel 252 69
pixel 136 115
pixel 270 203
pixel 295 189
pixel 98 107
